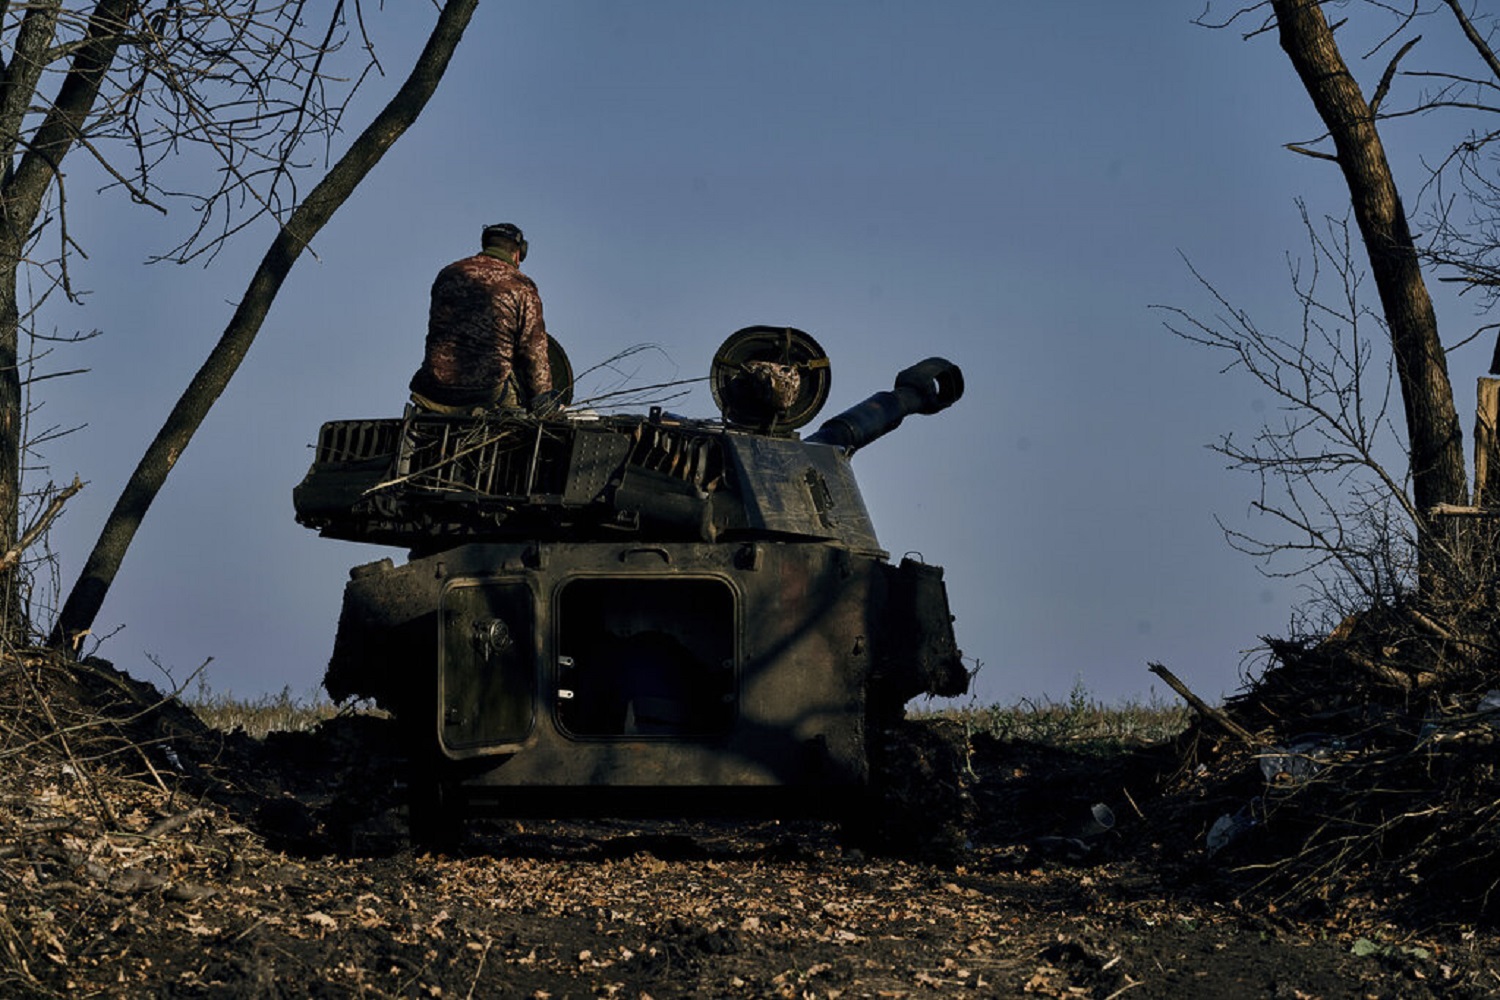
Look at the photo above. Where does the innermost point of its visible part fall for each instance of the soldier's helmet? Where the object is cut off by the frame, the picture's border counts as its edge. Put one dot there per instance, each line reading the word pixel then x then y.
pixel 504 232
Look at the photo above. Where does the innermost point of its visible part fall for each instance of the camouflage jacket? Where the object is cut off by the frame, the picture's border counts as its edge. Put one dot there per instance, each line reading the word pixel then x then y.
pixel 484 325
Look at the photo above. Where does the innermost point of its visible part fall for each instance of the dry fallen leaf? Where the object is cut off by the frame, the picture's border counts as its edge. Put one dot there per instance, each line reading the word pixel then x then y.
pixel 320 919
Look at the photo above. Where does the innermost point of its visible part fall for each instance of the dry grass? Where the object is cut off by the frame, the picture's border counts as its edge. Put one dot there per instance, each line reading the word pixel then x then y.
pixel 1078 722
pixel 280 712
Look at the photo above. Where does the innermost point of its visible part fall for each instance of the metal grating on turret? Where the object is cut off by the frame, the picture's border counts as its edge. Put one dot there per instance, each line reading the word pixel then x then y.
pixel 357 440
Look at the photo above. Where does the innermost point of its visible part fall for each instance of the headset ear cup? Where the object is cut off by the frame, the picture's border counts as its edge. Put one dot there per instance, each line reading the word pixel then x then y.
pixel 521 253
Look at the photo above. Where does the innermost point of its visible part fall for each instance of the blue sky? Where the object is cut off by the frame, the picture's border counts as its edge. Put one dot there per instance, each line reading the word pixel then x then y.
pixel 1006 185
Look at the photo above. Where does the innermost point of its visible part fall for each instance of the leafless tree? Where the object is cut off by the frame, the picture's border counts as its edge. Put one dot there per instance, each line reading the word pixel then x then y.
pixel 219 107
pixel 1369 498
pixel 1410 510
pixel 304 222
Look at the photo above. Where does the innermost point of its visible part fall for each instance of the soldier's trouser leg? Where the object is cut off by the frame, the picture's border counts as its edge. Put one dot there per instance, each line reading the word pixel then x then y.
pixel 510 395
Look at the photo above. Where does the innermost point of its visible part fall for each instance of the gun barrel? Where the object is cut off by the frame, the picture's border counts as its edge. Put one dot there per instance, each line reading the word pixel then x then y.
pixel 925 387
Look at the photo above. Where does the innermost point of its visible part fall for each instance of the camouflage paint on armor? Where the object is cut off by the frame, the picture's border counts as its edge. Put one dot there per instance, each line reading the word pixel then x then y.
pixel 485 325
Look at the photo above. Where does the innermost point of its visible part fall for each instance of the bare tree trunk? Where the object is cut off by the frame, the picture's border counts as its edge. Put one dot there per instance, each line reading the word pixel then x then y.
pixel 88 593
pixel 1433 430
pixel 12 627
pixel 1487 443
pixel 22 192
pixel 19 206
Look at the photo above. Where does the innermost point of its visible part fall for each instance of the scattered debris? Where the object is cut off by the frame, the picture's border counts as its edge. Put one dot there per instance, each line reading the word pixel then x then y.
pixel 276 861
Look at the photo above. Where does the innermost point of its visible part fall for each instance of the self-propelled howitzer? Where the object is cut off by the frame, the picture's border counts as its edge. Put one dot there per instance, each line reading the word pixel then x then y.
pixel 619 614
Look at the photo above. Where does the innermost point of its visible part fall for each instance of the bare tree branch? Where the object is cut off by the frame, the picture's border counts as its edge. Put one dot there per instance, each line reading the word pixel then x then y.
pixel 1475 39
pixel 1330 463
pixel 1384 86
pixel 11 556
pixel 1294 147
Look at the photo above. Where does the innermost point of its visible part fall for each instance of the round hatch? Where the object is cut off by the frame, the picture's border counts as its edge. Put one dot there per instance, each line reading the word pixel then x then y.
pixel 770 378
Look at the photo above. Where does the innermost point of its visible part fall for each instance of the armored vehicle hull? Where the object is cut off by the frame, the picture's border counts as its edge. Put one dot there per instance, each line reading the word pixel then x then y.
pixel 539 675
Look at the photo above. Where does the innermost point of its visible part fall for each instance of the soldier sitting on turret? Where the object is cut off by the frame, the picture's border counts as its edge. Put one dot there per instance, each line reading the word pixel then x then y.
pixel 486 342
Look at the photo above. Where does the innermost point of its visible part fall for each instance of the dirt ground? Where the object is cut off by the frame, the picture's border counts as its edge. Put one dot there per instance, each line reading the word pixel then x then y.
pixel 150 857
